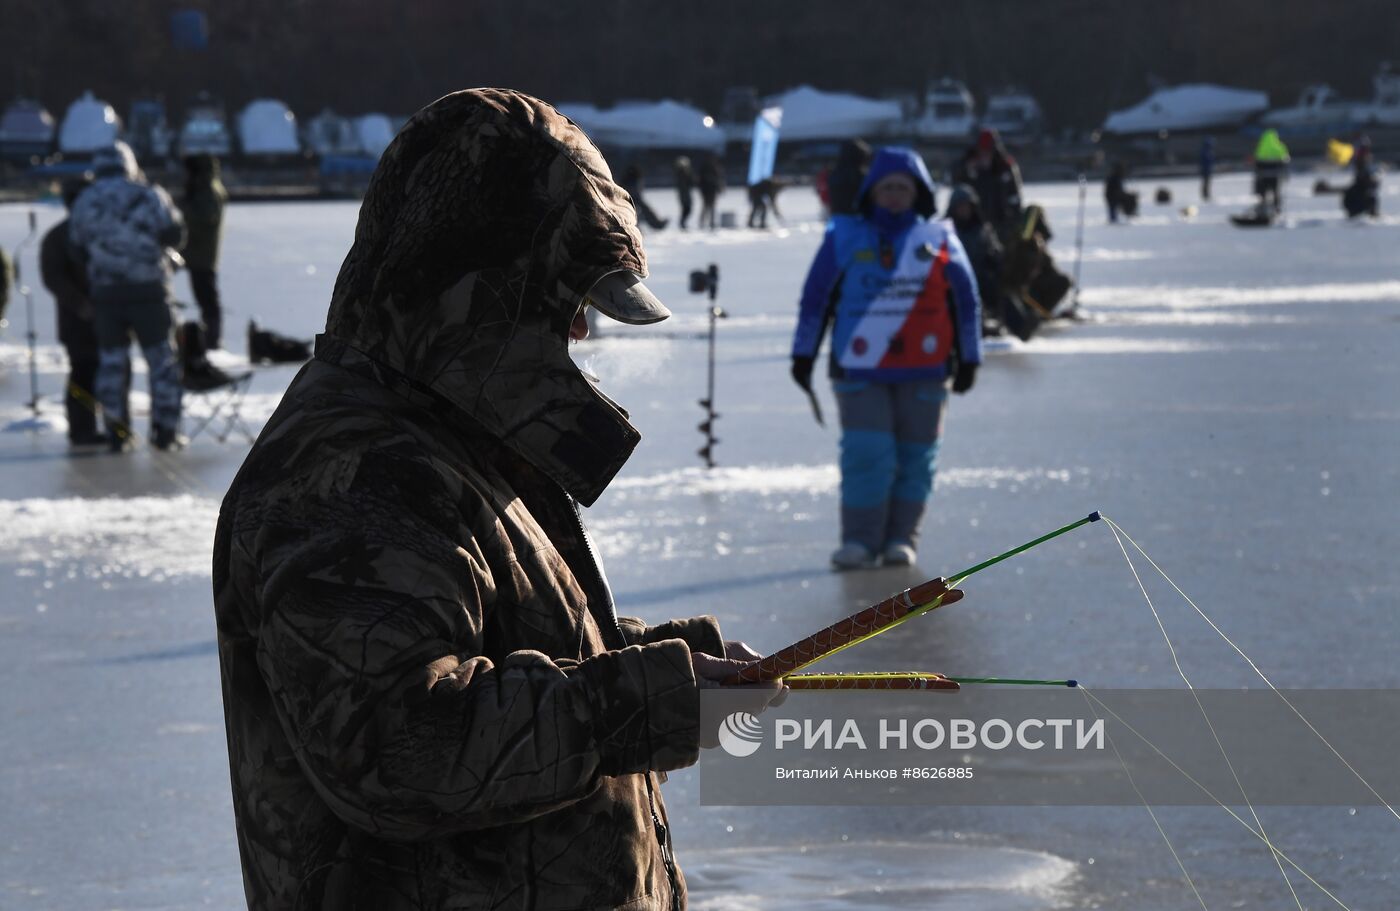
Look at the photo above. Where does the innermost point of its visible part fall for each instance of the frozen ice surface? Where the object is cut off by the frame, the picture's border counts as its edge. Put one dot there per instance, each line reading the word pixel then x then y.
pixel 1232 403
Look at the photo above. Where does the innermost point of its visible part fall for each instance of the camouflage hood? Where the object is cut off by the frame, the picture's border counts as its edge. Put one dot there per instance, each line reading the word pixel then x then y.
pixel 488 220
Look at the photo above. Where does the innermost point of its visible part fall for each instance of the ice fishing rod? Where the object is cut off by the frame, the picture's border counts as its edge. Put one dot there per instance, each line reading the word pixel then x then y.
pixel 1079 241
pixel 907 680
pixel 878 618
pixel 955 579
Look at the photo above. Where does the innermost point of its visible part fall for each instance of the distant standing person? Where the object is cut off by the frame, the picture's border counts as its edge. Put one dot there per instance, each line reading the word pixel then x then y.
pixel 1270 164
pixel 1207 166
pixel 1363 196
pixel 843 185
pixel 984 254
pixel 123 228
pixel 990 170
pixel 899 292
pixel 711 184
pixel 1115 192
pixel 7 278
pixel 634 183
pixel 685 189
pixel 67 281
pixel 762 197
pixel 205 198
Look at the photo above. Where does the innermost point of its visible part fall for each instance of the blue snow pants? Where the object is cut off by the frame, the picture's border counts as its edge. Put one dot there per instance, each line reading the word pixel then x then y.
pixel 889 448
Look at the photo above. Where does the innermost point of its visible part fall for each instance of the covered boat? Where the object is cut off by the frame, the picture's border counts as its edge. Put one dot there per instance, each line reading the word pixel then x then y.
pixel 328 133
pixel 585 115
pixel 1199 106
pixel 205 130
pixel 662 124
pixel 1384 108
pixel 147 130
pixel 267 128
pixel 374 132
pixel 88 125
pixel 26 131
pixel 1014 114
pixel 1319 110
pixel 811 114
pixel 948 112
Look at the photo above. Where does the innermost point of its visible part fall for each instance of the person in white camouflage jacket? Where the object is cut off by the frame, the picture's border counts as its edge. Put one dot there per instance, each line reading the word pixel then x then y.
pixel 125 230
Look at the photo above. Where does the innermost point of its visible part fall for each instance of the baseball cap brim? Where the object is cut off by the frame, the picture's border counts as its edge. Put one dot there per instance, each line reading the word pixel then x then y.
pixel 623 297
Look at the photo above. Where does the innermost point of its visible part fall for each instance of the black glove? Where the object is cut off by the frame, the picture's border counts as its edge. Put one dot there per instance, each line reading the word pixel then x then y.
pixel 802 371
pixel 964 378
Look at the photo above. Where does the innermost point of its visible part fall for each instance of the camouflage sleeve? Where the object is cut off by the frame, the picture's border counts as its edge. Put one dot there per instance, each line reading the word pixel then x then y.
pixel 78 229
pixel 371 646
pixel 172 232
pixel 700 633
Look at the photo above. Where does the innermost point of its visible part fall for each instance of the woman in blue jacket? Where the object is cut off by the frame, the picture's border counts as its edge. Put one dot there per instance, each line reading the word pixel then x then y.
pixel 896 287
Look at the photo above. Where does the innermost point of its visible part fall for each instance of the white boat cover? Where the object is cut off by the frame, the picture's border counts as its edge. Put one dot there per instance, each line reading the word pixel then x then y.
pixel 330 134
pixel 664 124
pixel 374 133
pixel 26 121
pixel 90 124
pixel 810 113
pixel 1188 107
pixel 581 113
pixel 268 127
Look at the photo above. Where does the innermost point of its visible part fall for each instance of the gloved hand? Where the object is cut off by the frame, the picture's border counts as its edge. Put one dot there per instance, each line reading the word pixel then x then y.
pixel 964 378
pixel 802 371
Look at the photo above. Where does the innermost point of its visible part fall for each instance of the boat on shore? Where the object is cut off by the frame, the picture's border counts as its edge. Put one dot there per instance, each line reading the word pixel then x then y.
pixel 26 132
pixel 948 113
pixel 1015 115
pixel 88 125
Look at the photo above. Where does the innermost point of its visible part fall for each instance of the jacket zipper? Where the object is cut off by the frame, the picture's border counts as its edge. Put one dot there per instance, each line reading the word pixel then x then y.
pixel 597 573
pixel 668 856
pixel 663 834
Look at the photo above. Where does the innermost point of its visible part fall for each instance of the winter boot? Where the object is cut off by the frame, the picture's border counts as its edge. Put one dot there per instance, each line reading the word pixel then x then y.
pixel 118 439
pixel 898 553
pixel 196 372
pixel 168 439
pixel 852 555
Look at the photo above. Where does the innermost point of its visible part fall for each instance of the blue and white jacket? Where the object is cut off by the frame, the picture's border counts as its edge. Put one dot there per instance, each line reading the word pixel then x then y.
pixel 123 227
pixel 898 289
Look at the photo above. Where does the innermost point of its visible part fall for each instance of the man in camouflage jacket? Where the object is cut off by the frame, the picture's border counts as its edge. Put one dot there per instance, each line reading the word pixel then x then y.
pixel 430 701
pixel 123 228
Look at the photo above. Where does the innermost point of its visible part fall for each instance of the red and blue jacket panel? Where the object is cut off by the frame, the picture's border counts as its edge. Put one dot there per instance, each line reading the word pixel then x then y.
pixel 898 290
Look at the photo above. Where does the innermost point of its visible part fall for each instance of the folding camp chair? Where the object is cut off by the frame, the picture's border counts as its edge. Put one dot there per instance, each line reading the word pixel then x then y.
pixel 217 408
pixel 215 394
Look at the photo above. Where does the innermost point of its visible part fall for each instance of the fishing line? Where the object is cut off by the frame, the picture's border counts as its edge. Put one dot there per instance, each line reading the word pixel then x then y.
pixel 1254 667
pixel 1207 791
pixel 1147 806
pixel 1204 714
pixel 165 463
